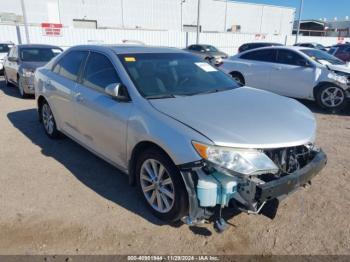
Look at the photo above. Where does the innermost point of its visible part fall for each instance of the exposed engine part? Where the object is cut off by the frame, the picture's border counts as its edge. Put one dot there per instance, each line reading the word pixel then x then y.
pixel 290 159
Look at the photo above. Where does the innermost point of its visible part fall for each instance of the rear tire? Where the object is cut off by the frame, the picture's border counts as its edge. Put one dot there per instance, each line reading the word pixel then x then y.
pixel 160 183
pixel 48 121
pixel 331 97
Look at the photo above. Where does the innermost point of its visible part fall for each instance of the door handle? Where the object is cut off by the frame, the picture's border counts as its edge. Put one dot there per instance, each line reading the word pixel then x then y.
pixel 79 98
pixel 48 84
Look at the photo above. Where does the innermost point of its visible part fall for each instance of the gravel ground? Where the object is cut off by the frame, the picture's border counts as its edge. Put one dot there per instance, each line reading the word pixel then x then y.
pixel 57 198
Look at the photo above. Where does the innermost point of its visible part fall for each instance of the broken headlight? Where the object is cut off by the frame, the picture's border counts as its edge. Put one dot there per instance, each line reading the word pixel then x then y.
pixel 243 161
pixel 338 77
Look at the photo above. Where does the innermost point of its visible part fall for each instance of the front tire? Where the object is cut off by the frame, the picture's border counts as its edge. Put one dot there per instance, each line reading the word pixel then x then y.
pixel 161 185
pixel 331 97
pixel 48 121
pixel 22 93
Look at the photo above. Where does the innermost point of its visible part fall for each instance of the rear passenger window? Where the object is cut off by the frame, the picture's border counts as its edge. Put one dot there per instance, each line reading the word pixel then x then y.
pixel 69 65
pixel 266 55
pixel 99 72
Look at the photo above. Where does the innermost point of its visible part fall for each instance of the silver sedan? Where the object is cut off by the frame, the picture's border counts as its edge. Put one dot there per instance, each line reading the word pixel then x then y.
pixel 185 132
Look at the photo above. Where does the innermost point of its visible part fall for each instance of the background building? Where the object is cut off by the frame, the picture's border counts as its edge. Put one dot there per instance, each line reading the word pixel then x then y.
pixel 334 28
pixel 173 15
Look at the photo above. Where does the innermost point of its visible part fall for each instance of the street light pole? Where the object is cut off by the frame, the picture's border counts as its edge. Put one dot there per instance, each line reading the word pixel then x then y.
pixel 25 21
pixel 225 16
pixel 122 12
pixel 299 20
pixel 198 20
pixel 182 3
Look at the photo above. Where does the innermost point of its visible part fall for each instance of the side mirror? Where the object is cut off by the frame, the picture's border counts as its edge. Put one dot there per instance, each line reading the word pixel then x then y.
pixel 13 59
pixel 118 91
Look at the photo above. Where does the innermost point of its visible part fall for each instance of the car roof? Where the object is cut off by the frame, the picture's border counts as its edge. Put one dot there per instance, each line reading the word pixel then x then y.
pixel 37 46
pixel 263 43
pixel 297 48
pixel 341 45
pixel 307 43
pixel 131 49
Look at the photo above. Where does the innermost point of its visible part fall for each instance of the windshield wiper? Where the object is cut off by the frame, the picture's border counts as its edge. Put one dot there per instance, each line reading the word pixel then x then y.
pixel 161 96
pixel 209 92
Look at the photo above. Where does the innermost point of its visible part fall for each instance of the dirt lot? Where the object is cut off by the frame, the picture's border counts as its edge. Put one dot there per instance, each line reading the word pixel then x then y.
pixel 57 198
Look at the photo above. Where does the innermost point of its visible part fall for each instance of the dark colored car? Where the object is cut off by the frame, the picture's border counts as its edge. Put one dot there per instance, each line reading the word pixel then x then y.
pixel 341 51
pixel 250 46
pixel 207 52
pixel 312 45
pixel 21 62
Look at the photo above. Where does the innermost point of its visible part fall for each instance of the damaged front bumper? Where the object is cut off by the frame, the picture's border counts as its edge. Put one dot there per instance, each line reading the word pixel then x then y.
pixel 249 193
pixel 287 184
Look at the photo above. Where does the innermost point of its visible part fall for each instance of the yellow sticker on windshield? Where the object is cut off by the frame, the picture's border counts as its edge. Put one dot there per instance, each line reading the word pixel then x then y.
pixel 130 59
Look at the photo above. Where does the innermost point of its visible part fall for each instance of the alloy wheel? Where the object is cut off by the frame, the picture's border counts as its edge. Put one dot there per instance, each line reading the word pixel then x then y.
pixel 157 186
pixel 332 97
pixel 48 120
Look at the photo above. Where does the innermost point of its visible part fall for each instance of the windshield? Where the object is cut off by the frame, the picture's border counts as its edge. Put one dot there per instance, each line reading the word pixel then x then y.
pixel 210 48
pixel 38 54
pixel 174 74
pixel 322 57
pixel 4 48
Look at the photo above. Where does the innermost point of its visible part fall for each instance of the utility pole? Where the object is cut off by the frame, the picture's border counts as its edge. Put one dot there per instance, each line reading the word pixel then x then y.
pixel 198 20
pixel 182 3
pixel 225 16
pixel 299 20
pixel 122 7
pixel 25 21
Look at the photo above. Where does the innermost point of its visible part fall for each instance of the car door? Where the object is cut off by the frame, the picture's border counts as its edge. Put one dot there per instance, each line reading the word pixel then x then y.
pixel 256 67
pixel 60 86
pixel 292 75
pixel 102 120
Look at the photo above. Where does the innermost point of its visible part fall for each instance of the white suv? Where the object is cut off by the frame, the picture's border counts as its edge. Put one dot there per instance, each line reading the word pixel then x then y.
pixel 297 72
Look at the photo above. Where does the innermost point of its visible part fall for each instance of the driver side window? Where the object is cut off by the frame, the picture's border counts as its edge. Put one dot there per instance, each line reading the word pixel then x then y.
pixel 290 58
pixel 99 72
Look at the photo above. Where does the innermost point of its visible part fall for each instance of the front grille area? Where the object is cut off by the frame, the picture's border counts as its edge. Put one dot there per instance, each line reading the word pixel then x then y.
pixel 289 160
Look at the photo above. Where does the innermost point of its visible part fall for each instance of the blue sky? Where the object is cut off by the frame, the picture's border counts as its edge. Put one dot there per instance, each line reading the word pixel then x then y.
pixel 314 9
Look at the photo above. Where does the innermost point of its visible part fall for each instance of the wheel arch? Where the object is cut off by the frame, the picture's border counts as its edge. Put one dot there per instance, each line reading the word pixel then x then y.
pixel 136 151
pixel 232 73
pixel 41 100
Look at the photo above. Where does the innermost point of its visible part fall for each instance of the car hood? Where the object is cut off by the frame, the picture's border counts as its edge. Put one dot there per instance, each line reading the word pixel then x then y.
pixel 243 117
pixel 32 65
pixel 341 68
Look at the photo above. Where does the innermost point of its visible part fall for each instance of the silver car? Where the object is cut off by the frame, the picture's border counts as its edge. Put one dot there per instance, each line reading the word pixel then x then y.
pixel 182 130
pixel 298 72
pixel 21 62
